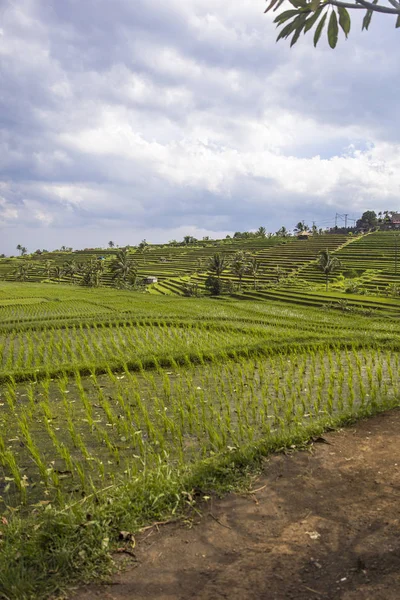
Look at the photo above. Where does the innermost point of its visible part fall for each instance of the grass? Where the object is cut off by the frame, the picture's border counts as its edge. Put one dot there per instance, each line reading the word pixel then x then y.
pixel 118 409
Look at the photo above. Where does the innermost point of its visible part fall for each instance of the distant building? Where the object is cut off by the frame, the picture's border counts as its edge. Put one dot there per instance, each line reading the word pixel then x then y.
pixel 150 279
pixel 304 235
pixel 395 219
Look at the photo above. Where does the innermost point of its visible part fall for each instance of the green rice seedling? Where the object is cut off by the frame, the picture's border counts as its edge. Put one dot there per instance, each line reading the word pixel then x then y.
pixel 10 395
pixel 85 400
pixel 389 367
pixel 32 447
pixel 10 352
pixel 60 447
pixel 10 464
pixel 111 375
pixel 331 392
pixel 31 397
pixel 70 422
pixel 103 401
pixel 2 350
pixel 379 374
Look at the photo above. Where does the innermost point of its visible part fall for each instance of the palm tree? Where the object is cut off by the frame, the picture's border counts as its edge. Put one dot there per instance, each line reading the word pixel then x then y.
pixel 19 247
pixel 89 273
pixel 21 273
pixel 142 248
pixel 98 272
pixel 58 272
pixel 122 269
pixel 111 244
pixel 261 232
pixel 327 264
pixel 239 266
pixel 217 264
pixel 301 226
pixel 279 273
pixel 47 268
pixel 282 232
pixel 71 269
pixel 254 268
pixel 133 273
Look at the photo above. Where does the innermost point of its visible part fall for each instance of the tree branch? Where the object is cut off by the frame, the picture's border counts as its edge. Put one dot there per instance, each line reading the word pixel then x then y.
pixel 339 4
pixel 364 5
pixel 378 8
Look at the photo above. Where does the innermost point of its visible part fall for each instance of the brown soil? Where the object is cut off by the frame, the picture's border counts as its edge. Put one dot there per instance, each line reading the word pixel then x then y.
pixel 322 524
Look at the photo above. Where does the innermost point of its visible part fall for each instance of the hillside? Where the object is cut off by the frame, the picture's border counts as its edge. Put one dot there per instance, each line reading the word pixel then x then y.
pixel 287 268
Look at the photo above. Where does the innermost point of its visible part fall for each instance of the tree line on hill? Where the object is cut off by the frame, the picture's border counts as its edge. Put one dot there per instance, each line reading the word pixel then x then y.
pixel 387 219
pixel 124 271
pixel 244 264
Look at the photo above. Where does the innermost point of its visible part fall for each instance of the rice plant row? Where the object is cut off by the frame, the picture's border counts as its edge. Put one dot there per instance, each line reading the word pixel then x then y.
pixel 63 438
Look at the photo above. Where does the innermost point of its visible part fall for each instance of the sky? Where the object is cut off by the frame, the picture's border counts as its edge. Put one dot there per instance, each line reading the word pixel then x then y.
pixel 126 120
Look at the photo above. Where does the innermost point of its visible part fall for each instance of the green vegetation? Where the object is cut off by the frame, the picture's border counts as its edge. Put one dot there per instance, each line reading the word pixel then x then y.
pixel 302 16
pixel 119 407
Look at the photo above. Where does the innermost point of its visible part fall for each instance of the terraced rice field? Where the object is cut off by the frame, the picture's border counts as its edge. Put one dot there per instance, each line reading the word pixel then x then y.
pixel 371 258
pixel 115 404
pixel 128 373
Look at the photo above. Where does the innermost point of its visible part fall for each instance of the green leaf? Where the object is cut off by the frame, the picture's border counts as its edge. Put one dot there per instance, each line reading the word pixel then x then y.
pixel 287 30
pixel 279 5
pixel 298 3
pixel 319 29
pixel 282 17
pixel 344 20
pixel 333 30
pixel 270 5
pixel 366 20
pixel 314 5
pixel 398 22
pixel 299 28
pixel 313 19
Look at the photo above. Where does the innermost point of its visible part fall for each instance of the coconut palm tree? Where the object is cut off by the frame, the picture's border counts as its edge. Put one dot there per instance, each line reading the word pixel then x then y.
pixel 279 273
pixel 58 272
pixel 47 268
pixel 261 232
pixel 19 247
pixel 239 266
pixel 254 268
pixel 99 269
pixel 301 226
pixel 71 269
pixel 111 244
pixel 123 270
pixel 91 272
pixel 217 264
pixel 21 273
pixel 327 264
pixel 282 232
pixel 143 248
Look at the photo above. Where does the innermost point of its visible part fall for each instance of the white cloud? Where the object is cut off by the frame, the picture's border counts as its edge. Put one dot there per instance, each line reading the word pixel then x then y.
pixel 187 117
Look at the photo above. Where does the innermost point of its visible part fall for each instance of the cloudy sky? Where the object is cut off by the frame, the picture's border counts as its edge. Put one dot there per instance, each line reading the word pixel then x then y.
pixel 130 119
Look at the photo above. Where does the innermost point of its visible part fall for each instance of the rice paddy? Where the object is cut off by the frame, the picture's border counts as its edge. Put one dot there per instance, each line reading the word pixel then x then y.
pixel 102 391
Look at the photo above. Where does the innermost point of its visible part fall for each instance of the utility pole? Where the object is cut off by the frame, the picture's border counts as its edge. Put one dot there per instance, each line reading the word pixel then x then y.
pixel 345 220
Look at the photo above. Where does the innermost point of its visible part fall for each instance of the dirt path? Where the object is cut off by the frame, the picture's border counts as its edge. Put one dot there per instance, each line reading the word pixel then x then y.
pixel 323 524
